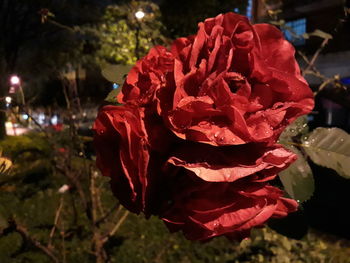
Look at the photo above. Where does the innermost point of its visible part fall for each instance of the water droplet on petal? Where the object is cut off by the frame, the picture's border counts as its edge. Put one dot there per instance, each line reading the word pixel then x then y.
pixel 227 174
pixel 216 225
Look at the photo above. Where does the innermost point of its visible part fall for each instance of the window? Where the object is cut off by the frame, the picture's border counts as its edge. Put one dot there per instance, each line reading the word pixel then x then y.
pixel 294 30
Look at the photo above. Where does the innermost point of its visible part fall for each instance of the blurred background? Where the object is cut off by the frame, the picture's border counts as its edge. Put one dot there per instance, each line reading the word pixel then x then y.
pixel 59 60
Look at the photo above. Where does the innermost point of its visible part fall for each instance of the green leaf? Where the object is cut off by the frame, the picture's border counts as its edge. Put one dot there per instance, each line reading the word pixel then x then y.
pixel 297 179
pixel 329 147
pixel 299 126
pixel 112 96
pixel 115 73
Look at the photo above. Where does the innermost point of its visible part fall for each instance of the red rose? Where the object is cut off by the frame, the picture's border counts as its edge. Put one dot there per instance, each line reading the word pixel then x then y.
pixel 232 83
pixel 205 210
pixel 195 141
pixel 154 172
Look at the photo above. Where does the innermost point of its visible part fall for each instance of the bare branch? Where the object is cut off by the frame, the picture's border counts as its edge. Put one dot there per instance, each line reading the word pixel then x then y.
pixel 57 216
pixel 315 56
pixel 26 236
pixel 116 227
pixel 106 215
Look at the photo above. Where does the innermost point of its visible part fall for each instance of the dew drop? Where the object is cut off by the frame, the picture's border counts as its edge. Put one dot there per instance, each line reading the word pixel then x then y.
pixel 298 201
pixel 216 134
pixel 221 139
pixel 216 225
pixel 101 131
pixel 227 174
pixel 341 139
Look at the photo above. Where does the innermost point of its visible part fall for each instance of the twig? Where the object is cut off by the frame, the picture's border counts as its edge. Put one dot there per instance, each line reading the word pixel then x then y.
pixel 76 183
pixel 116 227
pixel 93 197
pixel 106 215
pixel 53 22
pixel 57 216
pixel 63 243
pixel 26 236
pixel 66 95
pixel 98 248
pixel 75 212
pixel 37 124
pixel 315 56
pixel 98 201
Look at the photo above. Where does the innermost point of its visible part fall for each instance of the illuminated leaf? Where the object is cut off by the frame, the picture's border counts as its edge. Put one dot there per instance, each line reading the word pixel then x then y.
pixel 299 126
pixel 112 96
pixel 329 147
pixel 115 73
pixel 297 179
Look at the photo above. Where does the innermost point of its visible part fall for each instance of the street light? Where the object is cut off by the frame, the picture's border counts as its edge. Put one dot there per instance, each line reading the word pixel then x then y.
pixel 16 85
pixel 8 100
pixel 139 14
pixel 15 80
